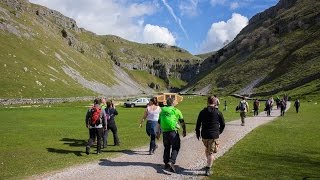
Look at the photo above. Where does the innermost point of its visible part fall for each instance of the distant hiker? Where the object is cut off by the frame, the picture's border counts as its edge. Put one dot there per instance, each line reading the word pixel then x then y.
pixel 152 115
pixel 297 105
pixel 210 125
pixel 244 108
pixel 268 107
pixel 256 105
pixel 103 103
pixel 283 106
pixel 95 121
pixel 225 105
pixel 272 103
pixel 111 125
pixel 278 102
pixel 169 120
pixel 216 101
pixel 285 97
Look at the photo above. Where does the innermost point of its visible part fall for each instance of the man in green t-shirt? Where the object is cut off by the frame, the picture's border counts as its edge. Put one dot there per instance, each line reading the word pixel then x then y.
pixel 169 120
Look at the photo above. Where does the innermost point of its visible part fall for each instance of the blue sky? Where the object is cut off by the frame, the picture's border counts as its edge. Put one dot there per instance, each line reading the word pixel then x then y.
pixel 198 26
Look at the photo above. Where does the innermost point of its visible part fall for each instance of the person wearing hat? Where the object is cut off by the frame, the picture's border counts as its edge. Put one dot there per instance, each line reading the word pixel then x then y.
pixel 170 119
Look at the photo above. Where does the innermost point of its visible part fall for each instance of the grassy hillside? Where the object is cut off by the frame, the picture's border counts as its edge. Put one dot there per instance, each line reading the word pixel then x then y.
pixel 44 54
pixel 274 54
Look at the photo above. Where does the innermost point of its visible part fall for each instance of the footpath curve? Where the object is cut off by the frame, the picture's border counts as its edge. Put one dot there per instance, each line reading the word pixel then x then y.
pixel 137 164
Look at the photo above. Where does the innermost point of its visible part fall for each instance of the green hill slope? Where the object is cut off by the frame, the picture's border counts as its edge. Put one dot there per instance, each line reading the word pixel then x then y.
pixel 45 54
pixel 277 52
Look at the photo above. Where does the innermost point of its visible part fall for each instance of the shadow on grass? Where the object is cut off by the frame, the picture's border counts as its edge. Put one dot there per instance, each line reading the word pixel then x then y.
pixel 72 143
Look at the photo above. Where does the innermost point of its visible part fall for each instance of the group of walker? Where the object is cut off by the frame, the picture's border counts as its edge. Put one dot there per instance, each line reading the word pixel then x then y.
pixel 281 104
pixel 168 120
pixel 165 120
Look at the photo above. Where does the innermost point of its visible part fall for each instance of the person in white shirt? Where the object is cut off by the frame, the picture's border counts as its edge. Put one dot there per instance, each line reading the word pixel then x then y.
pixel 151 114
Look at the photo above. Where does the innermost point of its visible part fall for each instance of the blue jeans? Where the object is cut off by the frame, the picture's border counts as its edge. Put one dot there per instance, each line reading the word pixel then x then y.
pixel 171 139
pixel 151 129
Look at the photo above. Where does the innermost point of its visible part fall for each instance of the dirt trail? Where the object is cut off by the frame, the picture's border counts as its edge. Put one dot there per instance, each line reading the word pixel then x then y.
pixel 137 164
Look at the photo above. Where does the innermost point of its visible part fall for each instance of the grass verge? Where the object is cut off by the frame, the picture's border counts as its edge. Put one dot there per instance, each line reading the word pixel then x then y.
pixel 287 148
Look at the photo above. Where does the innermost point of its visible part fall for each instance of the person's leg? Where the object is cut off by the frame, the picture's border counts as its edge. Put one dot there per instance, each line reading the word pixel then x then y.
pixel 175 141
pixel 99 132
pixel 106 135
pixel 153 136
pixel 211 147
pixel 167 147
pixel 242 115
pixel 149 132
pixel 104 138
pixel 114 130
pixel 90 140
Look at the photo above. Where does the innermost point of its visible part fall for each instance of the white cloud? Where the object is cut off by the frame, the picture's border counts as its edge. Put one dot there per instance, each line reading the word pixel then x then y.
pixel 156 34
pixel 178 20
pixel 189 7
pixel 119 18
pixel 222 32
pixel 234 5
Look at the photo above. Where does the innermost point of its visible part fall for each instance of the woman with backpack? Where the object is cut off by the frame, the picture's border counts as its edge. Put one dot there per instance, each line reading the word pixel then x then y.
pixel 151 114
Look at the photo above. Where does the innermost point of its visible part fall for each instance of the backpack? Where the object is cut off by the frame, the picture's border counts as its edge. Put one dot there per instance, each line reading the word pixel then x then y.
pixel 95 115
pixel 268 102
pixel 242 106
pixel 256 104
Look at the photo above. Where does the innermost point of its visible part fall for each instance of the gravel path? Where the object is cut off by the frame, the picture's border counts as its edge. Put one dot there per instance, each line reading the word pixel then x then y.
pixel 137 164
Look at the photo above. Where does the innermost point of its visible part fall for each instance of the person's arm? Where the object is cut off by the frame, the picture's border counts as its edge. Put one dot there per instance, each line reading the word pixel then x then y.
pixel 247 106
pixel 158 129
pixel 115 112
pixel 221 122
pixel 104 119
pixel 183 125
pixel 198 126
pixel 87 118
pixel 144 117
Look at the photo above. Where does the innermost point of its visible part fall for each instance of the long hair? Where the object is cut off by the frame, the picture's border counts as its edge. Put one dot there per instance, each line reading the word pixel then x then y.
pixel 154 101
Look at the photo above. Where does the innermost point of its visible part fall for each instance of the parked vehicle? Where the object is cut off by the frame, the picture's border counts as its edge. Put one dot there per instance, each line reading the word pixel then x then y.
pixel 141 102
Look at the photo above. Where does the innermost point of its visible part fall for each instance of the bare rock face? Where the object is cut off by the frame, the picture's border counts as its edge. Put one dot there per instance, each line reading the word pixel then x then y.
pixel 18 5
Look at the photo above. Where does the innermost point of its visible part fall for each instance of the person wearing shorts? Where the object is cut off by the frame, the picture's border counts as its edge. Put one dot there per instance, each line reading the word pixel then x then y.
pixel 210 125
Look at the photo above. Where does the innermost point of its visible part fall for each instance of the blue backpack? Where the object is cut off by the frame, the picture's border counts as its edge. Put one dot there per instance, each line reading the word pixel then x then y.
pixel 242 106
